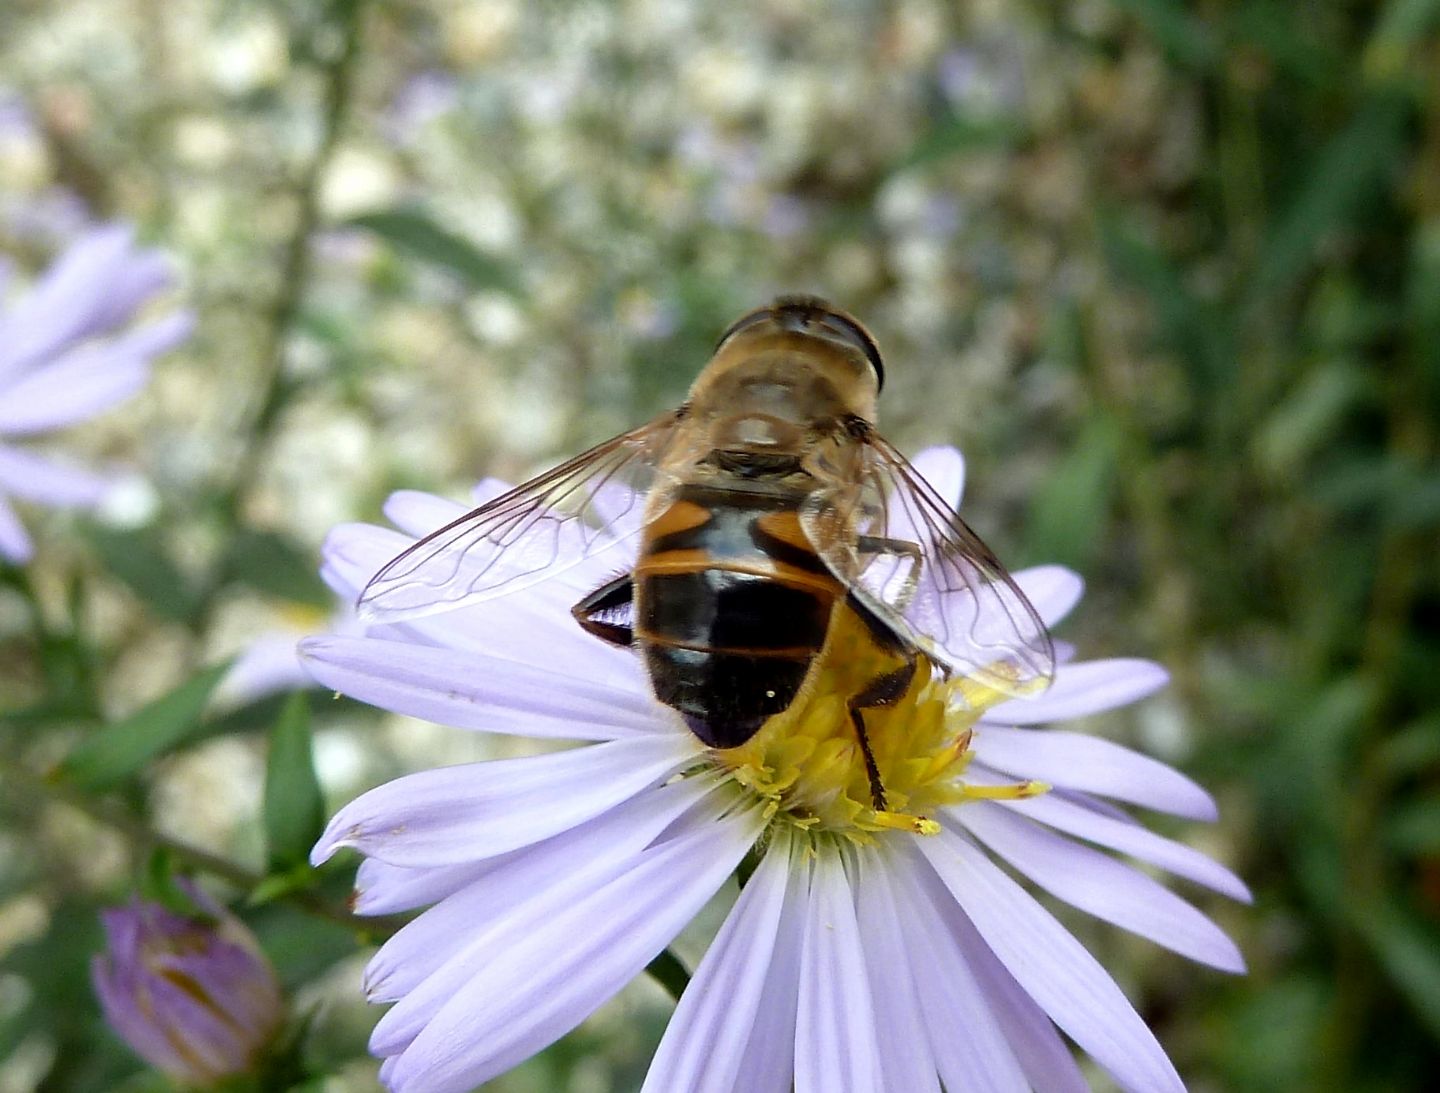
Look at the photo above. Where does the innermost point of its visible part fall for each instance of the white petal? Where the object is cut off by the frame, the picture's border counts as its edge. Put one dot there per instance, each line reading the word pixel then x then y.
pixel 835 1046
pixel 384 889
pixel 564 868
pixel 1082 689
pixel 15 545
pixel 1089 763
pixel 26 475
pixel 417 514
pixel 1052 966
pixel 704 1044
pixel 968 1042
pixel 900 1027
pixel 769 1061
pixel 1097 883
pixel 1044 1056
pixel 548 974
pixel 1130 838
pixel 482 810
pixel 944 468
pixel 535 627
pixel 471 691
pixel 1052 590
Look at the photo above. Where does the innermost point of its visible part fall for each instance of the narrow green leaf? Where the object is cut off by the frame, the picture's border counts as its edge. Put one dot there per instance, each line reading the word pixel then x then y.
pixel 117 751
pixel 294 804
pixel 1400 26
pixel 1182 35
pixel 142 560
pixel 1413 828
pixel 1193 328
pixel 1068 516
pixel 414 233
pixel 1353 165
pixel 1409 950
pixel 276 564
pixel 960 133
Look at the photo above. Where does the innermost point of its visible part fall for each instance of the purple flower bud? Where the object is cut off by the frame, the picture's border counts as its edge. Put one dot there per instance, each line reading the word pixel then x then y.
pixel 193 996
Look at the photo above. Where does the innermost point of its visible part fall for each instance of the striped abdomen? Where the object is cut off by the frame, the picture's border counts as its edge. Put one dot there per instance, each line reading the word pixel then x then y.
pixel 731 606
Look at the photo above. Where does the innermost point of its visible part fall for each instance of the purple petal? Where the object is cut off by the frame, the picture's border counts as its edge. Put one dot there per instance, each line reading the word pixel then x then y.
pixel 432 956
pixel 15 545
pixel 66 302
pixel 25 475
pixel 906 1057
pixel 527 997
pixel 474 691
pixel 1044 1056
pixel 1082 689
pixel 769 1062
pixel 535 627
pixel 1094 765
pixel 704 1044
pixel 1102 886
pixel 479 810
pixel 981 1059
pixel 417 514
pixel 1052 967
pixel 1130 838
pixel 1052 590
pixel 835 1045
pixel 944 468
pixel 383 889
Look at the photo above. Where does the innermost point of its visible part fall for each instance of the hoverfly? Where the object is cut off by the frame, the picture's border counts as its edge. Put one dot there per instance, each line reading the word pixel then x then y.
pixel 760 507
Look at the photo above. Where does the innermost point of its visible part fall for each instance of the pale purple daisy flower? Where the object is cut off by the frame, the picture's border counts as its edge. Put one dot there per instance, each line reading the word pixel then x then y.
pixel 61 362
pixel 193 996
pixel 867 951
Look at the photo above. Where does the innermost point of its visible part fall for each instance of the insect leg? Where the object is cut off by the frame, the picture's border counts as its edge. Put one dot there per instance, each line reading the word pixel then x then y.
pixel 608 597
pixel 883 690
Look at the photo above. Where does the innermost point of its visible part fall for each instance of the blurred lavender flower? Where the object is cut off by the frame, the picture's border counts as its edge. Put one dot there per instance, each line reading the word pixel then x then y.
pixel 54 372
pixel 421 99
pixel 193 996
pixel 868 950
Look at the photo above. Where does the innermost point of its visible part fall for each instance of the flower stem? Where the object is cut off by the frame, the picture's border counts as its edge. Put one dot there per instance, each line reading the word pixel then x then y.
pixel 19 779
pixel 667 970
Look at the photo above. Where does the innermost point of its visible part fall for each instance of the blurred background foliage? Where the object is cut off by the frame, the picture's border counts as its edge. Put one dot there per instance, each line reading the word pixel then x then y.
pixel 1169 273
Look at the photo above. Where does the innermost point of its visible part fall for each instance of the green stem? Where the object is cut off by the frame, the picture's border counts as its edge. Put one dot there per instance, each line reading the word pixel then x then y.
pixel 18 779
pixel 295 272
pixel 667 970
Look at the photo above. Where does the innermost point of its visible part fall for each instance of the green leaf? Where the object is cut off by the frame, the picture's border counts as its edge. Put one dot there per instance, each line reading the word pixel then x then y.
pixel 1192 328
pixel 1182 35
pixel 141 560
pixel 1413 828
pixel 294 804
pixel 1352 166
pixel 276 564
pixel 1399 27
pixel 117 751
pixel 414 233
pixel 960 133
pixel 1068 516
pixel 1409 950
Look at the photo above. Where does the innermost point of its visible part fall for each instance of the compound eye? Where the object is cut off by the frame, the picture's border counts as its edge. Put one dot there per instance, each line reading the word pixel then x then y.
pixel 854 335
pixel 759 315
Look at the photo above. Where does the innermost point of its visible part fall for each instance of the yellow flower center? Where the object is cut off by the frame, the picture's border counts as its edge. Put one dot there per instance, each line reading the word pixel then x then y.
pixel 807 764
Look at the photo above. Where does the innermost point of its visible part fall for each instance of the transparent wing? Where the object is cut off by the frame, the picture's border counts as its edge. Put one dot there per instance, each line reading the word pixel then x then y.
pixel 542 527
pixel 907 555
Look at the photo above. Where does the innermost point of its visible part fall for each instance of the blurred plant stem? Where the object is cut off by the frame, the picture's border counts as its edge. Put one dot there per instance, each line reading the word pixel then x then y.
pixel 19 780
pixel 336 42
pixel 1404 553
